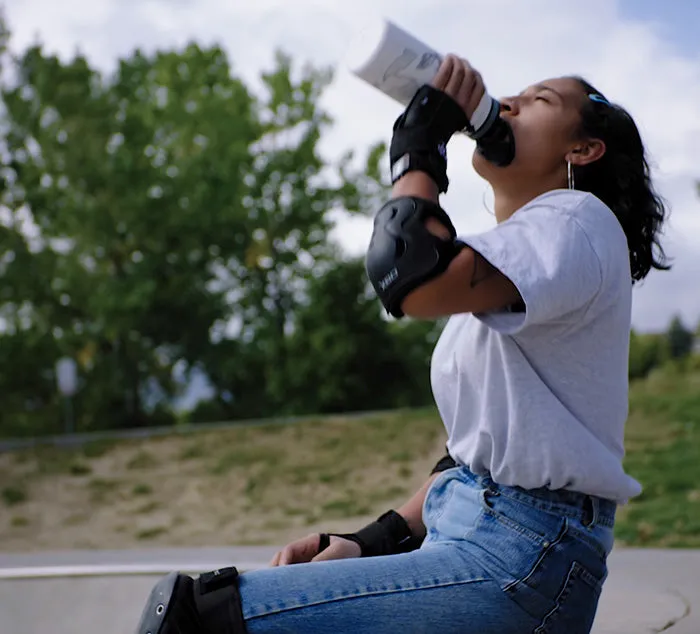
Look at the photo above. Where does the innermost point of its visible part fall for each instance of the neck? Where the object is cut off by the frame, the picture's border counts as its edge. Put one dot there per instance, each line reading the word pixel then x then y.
pixel 507 201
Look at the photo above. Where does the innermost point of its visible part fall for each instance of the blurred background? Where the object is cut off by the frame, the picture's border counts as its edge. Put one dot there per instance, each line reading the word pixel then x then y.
pixel 187 190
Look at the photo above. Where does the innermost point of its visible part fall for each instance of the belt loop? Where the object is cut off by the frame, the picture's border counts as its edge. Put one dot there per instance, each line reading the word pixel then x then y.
pixel 594 504
pixel 493 487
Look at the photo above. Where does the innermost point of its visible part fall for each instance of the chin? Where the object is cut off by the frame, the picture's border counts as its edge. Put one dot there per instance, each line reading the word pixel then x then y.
pixel 477 160
pixel 492 173
pixel 484 168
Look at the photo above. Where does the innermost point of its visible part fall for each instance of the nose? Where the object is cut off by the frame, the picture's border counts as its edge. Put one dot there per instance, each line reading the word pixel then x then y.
pixel 509 105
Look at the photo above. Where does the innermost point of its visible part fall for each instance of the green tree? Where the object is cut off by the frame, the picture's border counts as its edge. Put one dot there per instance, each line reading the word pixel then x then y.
pixel 647 352
pixel 133 187
pixel 680 339
pixel 344 357
pixel 160 216
pixel 290 195
pixel 415 340
pixel 26 351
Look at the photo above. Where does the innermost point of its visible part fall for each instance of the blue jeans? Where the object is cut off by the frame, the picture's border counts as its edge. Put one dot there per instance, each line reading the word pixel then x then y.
pixel 495 560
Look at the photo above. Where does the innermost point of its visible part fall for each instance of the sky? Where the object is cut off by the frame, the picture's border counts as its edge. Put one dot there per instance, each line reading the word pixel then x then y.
pixel 643 54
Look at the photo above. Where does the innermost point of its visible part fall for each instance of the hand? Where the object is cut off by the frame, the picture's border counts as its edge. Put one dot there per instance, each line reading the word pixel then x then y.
pixel 460 81
pixel 305 550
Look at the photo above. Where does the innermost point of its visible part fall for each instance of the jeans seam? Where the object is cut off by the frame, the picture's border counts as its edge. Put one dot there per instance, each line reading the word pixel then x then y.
pixel 521 530
pixel 360 595
pixel 545 551
pixel 527 533
pixel 555 508
pixel 557 603
pixel 585 538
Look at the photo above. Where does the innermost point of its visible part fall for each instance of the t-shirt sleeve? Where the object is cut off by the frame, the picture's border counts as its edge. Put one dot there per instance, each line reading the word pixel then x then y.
pixel 548 256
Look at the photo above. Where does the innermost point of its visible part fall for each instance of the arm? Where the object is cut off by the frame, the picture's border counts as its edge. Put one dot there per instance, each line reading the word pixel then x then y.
pixel 412 272
pixel 412 510
pixel 395 531
pixel 469 285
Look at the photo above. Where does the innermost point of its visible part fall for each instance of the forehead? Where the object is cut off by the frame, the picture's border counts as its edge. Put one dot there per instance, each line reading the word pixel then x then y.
pixel 567 88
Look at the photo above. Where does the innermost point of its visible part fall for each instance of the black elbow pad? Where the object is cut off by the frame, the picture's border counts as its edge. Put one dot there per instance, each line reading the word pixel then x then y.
pixel 403 254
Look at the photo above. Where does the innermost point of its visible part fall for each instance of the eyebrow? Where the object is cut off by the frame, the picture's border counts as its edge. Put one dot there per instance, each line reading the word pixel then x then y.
pixel 556 92
pixel 540 87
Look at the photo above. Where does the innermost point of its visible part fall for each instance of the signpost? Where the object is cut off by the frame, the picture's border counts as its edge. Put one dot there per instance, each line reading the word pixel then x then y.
pixel 67 379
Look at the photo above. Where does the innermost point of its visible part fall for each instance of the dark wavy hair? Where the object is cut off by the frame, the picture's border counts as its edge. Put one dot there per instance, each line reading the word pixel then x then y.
pixel 621 179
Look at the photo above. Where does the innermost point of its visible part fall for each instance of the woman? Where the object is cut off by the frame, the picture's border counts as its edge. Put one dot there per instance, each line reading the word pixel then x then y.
pixel 511 532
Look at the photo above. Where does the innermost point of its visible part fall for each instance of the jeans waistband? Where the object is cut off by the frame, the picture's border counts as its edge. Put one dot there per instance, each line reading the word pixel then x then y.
pixel 587 508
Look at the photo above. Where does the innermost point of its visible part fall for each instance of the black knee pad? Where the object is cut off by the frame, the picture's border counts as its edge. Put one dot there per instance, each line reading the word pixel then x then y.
pixel 210 604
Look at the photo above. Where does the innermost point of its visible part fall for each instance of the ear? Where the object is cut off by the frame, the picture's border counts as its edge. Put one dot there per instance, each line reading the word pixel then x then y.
pixel 587 152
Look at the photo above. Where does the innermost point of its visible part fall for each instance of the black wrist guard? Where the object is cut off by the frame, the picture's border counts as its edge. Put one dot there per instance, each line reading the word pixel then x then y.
pixel 421 134
pixel 403 254
pixel 388 535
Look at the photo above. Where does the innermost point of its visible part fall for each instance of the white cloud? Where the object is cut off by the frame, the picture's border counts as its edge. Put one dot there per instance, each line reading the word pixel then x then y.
pixel 512 43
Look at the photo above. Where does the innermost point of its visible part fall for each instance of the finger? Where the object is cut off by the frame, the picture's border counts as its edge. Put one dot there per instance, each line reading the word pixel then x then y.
pixel 467 87
pixel 443 75
pixel 477 93
pixel 457 78
pixel 275 560
pixel 287 557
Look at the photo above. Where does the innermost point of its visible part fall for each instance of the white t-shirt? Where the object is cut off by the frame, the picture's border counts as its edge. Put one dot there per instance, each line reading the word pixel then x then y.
pixel 540 398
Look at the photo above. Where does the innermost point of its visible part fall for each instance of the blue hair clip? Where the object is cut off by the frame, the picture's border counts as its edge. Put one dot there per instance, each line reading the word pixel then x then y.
pixel 598 99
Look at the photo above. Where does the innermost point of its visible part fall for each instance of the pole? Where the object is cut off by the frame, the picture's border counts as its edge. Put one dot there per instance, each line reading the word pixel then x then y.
pixel 69 415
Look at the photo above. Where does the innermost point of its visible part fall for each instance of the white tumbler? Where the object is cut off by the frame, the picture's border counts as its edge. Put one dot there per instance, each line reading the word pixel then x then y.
pixel 392 60
pixel 398 64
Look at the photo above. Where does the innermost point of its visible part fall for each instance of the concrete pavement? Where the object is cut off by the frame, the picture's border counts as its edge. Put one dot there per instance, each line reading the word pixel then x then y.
pixel 104 591
pixel 651 591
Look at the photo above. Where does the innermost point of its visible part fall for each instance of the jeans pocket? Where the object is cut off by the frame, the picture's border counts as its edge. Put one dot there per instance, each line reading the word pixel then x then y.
pixel 452 508
pixel 436 497
pixel 576 604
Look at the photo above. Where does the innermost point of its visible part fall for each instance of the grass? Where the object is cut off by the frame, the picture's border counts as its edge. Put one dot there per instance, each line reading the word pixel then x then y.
pixel 193 450
pixel 12 496
pixel 258 482
pixel 349 505
pixel 79 468
pixel 151 533
pixel 147 508
pixel 663 453
pixel 101 489
pixel 243 457
pixel 141 460
pixel 142 489
pixel 97 448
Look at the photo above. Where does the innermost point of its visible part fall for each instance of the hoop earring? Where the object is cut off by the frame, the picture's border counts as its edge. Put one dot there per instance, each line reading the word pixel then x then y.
pixel 483 202
pixel 570 175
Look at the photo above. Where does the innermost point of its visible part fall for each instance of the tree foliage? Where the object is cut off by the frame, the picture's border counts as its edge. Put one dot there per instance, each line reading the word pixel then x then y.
pixel 680 339
pixel 647 352
pixel 164 220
